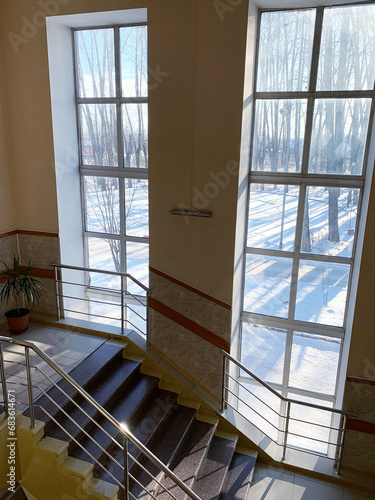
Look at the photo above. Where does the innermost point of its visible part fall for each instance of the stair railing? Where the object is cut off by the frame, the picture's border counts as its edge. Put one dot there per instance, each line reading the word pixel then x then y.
pixel 127 436
pixel 86 290
pixel 232 385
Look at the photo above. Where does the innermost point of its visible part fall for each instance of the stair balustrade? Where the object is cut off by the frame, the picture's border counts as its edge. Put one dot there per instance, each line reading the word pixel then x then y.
pixel 281 419
pixel 105 296
pixel 136 456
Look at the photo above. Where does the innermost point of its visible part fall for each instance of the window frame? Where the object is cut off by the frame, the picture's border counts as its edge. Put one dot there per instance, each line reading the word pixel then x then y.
pixel 119 172
pixel 304 179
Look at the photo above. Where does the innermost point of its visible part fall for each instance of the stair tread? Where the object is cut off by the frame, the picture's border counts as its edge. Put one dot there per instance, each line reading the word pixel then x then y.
pixel 103 392
pixel 165 446
pixel 212 474
pixel 238 478
pixel 133 399
pixel 87 371
pixel 142 424
pixel 189 459
pixel 18 494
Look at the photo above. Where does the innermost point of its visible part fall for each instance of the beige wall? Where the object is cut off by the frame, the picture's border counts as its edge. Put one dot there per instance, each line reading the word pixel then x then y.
pixel 195 118
pixel 7 213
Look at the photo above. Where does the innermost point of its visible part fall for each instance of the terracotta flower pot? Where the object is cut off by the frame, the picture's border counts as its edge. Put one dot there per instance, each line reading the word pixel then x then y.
pixel 18 323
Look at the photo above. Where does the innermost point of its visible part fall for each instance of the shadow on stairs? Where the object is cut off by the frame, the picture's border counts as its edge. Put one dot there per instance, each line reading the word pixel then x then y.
pixel 191 445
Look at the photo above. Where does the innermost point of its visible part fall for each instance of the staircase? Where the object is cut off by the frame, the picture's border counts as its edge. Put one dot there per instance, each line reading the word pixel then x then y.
pixel 182 437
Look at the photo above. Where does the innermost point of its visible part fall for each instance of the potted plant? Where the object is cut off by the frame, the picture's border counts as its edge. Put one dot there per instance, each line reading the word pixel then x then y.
pixel 18 284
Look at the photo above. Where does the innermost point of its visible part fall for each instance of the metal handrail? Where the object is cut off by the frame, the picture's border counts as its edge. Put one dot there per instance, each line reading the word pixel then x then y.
pixel 122 428
pixel 283 398
pixel 289 401
pixel 101 271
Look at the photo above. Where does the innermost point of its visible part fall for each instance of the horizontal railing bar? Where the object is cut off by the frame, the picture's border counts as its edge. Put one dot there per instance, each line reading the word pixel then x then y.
pixel 80 445
pixel 149 473
pixel 135 312
pixel 81 429
pixel 248 390
pixel 81 409
pixel 286 400
pixel 101 271
pixel 141 485
pixel 307 422
pixel 89 314
pixel 252 409
pixel 311 438
pixel 85 299
pixel 260 430
pixel 105 413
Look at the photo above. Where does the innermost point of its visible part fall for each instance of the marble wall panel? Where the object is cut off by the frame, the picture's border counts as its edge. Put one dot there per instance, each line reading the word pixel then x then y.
pixel 40 250
pixel 197 356
pixel 8 248
pixel 359 449
pixel 194 306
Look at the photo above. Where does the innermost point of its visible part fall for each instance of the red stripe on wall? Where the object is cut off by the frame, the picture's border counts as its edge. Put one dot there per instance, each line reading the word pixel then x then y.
pixel 189 324
pixel 33 233
pixel 361 426
pixel 359 380
pixel 191 289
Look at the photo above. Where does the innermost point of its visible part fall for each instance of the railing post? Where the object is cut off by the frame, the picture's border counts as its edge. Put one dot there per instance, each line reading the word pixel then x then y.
pixel 126 469
pixel 30 387
pixel 57 293
pixel 223 388
pixel 286 430
pixel 340 443
pixel 147 321
pixel 122 306
pixel 3 381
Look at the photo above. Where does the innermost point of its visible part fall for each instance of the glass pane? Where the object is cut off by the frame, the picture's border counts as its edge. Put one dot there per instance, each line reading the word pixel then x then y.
pixel 311 424
pixel 272 216
pixel 262 351
pixel 104 254
pixel 267 285
pixel 135 135
pixel 279 132
pixel 102 204
pixel 347 48
pixel 285 49
pixel 136 207
pixel 314 363
pixel 95 63
pixel 339 136
pixel 133 43
pixel 98 134
pixel 260 407
pixel 137 266
pixel 330 219
pixel 321 292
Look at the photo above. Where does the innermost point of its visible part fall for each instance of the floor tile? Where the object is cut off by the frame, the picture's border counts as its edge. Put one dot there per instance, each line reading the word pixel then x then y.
pixel 268 487
pixel 307 489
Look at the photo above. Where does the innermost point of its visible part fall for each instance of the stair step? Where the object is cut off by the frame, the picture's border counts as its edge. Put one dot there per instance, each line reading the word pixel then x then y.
pixel 238 480
pixel 212 474
pixel 165 445
pixel 87 371
pixel 189 459
pixel 135 398
pixel 122 373
pixel 143 424
pixel 18 494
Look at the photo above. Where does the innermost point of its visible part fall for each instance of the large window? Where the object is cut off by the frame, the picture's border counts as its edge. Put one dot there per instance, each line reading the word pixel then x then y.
pixel 111 96
pixel 314 92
